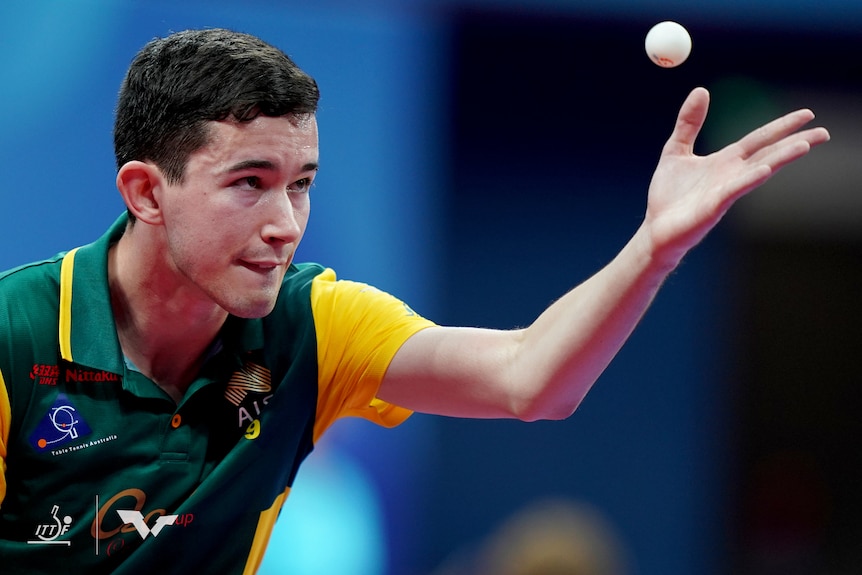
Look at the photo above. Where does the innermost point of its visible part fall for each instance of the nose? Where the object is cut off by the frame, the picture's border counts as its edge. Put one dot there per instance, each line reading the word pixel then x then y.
pixel 284 221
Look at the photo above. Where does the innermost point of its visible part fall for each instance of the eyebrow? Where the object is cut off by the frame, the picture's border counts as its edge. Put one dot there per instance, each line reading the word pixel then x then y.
pixel 266 165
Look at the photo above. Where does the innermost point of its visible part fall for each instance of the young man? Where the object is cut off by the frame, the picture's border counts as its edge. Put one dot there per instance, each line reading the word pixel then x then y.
pixel 160 387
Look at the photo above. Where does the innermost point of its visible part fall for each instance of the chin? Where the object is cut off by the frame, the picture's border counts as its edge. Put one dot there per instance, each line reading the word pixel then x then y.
pixel 250 309
pixel 254 312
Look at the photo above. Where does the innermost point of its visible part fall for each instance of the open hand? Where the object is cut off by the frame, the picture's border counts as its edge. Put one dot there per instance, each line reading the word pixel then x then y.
pixel 689 194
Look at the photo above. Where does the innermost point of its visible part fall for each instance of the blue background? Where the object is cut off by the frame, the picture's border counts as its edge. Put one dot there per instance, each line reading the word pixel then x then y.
pixel 478 159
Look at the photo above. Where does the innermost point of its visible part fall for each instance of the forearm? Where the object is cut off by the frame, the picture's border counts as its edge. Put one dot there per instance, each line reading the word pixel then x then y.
pixel 539 372
pixel 571 343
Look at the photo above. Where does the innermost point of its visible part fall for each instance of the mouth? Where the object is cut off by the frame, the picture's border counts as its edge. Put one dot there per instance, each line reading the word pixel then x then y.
pixel 262 267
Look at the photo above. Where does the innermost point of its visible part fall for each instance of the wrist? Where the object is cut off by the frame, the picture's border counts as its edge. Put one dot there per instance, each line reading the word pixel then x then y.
pixel 658 257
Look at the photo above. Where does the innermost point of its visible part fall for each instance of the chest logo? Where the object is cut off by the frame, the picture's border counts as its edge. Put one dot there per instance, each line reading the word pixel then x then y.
pixel 61 425
pixel 49 533
pixel 251 378
pixel 249 389
pixel 136 519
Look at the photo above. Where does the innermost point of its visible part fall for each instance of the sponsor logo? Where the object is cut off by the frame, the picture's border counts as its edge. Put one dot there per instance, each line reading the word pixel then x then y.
pixel 61 425
pixel 45 374
pixel 118 515
pixel 249 389
pixel 136 519
pixel 78 375
pixel 49 533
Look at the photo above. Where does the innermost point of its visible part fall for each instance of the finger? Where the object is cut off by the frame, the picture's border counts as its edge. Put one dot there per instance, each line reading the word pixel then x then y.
pixel 789 149
pixel 773 132
pixel 761 172
pixel 689 122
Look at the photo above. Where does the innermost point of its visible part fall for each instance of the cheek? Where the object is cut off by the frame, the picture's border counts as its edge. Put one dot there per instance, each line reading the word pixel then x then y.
pixel 302 220
pixel 201 242
pixel 301 211
pixel 187 248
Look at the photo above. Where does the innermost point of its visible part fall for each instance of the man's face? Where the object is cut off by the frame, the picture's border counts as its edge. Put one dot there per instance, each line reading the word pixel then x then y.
pixel 233 224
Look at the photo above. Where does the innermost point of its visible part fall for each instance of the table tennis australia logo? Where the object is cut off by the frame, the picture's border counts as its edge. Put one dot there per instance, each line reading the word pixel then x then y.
pixel 62 424
pixel 249 389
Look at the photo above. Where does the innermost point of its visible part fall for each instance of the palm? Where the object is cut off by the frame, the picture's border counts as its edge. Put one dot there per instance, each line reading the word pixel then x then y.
pixel 689 194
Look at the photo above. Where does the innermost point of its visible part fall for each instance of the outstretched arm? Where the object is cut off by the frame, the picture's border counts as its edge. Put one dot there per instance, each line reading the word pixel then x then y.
pixel 545 370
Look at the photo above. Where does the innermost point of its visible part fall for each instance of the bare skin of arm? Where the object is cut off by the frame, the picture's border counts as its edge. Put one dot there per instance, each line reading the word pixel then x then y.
pixel 544 370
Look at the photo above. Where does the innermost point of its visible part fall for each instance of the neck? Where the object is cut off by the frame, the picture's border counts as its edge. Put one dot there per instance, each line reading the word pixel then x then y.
pixel 161 329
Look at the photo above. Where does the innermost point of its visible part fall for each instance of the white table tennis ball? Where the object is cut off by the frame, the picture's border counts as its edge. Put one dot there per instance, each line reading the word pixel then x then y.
pixel 668 44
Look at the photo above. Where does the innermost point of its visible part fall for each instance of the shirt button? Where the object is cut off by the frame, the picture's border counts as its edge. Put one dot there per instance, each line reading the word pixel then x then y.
pixel 176 421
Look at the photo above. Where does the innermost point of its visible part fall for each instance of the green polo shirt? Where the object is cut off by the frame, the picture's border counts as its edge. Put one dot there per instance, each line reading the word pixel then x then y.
pixel 101 472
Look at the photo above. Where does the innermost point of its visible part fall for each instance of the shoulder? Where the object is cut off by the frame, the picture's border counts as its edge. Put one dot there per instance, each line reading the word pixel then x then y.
pixel 300 277
pixel 29 274
pixel 29 318
pixel 294 298
pixel 30 290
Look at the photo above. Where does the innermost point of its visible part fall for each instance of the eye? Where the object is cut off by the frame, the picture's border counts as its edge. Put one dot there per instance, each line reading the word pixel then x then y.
pixel 252 182
pixel 248 183
pixel 302 185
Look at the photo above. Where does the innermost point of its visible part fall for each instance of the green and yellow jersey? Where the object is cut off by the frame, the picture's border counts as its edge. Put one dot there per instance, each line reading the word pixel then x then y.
pixel 102 472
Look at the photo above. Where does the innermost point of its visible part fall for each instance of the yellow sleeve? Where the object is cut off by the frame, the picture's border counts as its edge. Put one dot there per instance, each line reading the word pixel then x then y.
pixel 359 330
pixel 5 425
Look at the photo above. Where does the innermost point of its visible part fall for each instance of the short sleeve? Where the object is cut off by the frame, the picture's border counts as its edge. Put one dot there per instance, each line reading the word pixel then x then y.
pixel 359 330
pixel 5 425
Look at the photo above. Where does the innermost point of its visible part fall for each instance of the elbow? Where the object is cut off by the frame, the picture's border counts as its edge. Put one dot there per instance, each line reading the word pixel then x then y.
pixel 538 393
pixel 542 408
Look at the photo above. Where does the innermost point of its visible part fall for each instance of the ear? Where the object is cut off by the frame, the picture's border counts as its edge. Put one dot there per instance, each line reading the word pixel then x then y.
pixel 138 183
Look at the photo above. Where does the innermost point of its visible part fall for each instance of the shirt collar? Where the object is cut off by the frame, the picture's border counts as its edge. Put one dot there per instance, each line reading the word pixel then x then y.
pixel 88 335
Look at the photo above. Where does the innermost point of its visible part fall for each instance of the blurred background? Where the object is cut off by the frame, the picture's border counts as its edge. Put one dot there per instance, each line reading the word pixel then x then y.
pixel 480 158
